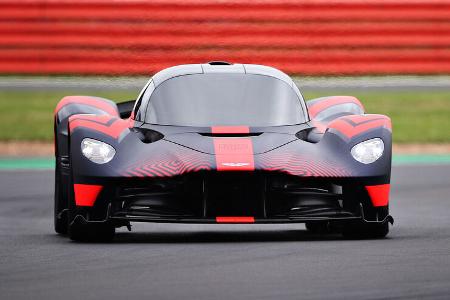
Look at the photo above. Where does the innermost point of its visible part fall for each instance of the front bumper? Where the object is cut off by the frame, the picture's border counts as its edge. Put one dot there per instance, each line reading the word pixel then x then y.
pixel 123 219
pixel 227 198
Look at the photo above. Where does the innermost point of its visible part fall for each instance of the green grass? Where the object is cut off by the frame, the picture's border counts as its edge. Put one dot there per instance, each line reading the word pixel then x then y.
pixel 418 116
pixel 28 115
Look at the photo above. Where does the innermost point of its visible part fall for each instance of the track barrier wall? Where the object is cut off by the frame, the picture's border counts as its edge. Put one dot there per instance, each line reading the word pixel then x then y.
pixel 131 37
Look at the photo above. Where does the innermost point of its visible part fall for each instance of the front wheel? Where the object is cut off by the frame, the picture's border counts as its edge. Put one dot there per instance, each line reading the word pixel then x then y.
pixel 318 227
pixel 60 205
pixel 362 230
pixel 90 231
pixel 97 232
pixel 374 222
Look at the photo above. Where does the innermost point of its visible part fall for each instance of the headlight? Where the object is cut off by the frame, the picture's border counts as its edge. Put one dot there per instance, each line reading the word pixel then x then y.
pixel 97 151
pixel 368 151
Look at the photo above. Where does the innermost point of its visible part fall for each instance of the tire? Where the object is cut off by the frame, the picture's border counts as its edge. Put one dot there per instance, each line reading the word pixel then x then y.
pixel 60 203
pixel 362 230
pixel 357 196
pixel 318 227
pixel 101 232
pixel 91 232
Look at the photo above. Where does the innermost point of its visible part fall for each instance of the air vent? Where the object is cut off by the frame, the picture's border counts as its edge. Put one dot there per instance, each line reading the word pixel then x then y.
pixel 148 135
pixel 309 135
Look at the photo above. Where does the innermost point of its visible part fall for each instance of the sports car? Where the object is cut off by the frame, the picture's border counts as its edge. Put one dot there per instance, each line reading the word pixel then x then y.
pixel 221 143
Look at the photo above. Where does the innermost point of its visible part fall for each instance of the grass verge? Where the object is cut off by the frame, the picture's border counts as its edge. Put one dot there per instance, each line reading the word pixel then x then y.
pixel 417 116
pixel 28 115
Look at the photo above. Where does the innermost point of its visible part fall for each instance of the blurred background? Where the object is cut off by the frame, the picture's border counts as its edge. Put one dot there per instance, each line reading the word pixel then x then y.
pixel 393 55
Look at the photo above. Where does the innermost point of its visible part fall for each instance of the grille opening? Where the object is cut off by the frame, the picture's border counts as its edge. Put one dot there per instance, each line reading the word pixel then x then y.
pixel 234 195
pixel 240 194
pixel 164 198
pixel 297 198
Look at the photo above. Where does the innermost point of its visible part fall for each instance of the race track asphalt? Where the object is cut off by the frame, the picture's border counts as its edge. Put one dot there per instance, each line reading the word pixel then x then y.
pixel 161 261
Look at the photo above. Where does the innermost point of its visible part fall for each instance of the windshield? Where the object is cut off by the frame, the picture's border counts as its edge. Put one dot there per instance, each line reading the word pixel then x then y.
pixel 205 100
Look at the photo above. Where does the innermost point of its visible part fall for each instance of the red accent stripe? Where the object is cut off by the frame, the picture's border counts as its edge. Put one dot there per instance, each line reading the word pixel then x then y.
pixel 367 123
pixel 235 219
pixel 324 104
pixel 103 119
pixel 103 105
pixel 230 129
pixel 379 194
pixel 233 154
pixel 114 130
pixel 86 194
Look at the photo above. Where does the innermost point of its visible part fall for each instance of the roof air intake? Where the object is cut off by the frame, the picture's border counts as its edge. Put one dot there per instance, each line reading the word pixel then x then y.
pixel 219 63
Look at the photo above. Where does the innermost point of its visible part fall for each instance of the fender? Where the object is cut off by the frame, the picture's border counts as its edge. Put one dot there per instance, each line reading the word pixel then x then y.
pixel 352 126
pixel 324 110
pixel 73 105
pixel 328 108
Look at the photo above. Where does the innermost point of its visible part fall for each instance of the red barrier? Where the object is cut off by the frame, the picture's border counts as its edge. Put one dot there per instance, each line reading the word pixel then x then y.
pixel 302 37
pixel 201 15
pixel 247 55
pixel 220 28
